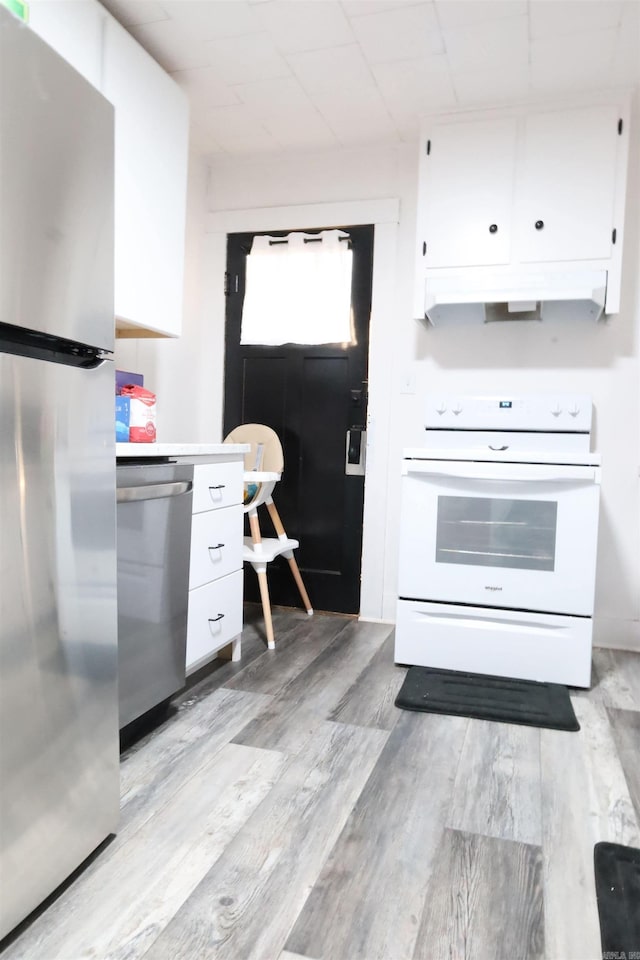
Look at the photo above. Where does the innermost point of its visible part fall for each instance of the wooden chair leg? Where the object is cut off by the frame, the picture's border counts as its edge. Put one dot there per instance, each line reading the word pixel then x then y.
pixel 255 528
pixel 266 607
pixel 277 523
pixel 275 518
pixel 300 585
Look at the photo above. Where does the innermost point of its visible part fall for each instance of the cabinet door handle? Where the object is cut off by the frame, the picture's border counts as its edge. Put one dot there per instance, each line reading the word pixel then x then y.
pixel 493 228
pixel 215 619
pixel 539 224
pixel 217 546
pixel 218 486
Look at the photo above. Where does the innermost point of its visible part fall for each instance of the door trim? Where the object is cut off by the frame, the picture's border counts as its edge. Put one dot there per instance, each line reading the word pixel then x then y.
pixel 378 594
pixel 313 215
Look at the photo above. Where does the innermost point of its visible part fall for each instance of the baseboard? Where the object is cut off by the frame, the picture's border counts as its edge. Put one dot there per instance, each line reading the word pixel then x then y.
pixel 616 634
pixel 363 619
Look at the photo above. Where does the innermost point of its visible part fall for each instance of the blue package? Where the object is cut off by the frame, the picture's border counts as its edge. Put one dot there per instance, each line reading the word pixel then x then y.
pixel 122 419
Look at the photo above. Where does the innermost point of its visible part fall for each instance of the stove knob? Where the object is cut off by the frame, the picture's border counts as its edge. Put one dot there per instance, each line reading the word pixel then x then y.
pixel 574 411
pixel 556 411
pixel 441 407
pixel 457 409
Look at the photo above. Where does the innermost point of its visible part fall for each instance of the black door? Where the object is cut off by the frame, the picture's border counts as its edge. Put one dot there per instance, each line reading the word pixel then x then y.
pixel 314 397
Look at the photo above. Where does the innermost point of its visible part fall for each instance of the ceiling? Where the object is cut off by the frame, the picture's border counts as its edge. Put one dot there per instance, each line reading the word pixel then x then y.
pixel 283 75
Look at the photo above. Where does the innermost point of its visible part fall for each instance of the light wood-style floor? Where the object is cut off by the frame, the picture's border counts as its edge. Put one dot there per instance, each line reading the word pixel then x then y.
pixel 288 810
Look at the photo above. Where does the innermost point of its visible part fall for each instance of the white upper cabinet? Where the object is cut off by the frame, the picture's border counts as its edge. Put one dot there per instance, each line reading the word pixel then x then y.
pixel 522 206
pixel 567 184
pixel 151 144
pixel 74 30
pixel 468 202
pixel 151 150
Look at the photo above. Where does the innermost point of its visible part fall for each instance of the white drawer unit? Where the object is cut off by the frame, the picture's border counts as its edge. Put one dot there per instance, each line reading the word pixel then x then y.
pixel 214 621
pixel 216 545
pixel 215 618
pixel 217 485
pixel 549 648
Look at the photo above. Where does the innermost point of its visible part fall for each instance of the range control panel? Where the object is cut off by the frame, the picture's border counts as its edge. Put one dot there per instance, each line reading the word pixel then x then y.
pixel 550 413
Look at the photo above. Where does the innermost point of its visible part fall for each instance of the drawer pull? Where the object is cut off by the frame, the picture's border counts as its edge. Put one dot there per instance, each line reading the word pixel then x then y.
pixel 215 619
pixel 217 546
pixel 218 486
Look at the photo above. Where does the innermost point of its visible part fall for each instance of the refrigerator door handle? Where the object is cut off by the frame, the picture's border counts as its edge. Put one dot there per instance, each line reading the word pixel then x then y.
pixel 153 491
pixel 42 346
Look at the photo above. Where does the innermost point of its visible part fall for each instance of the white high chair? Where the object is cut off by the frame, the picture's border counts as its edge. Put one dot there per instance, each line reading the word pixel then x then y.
pixel 263 468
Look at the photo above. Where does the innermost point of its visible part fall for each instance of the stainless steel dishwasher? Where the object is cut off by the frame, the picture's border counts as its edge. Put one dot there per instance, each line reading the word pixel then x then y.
pixel 154 532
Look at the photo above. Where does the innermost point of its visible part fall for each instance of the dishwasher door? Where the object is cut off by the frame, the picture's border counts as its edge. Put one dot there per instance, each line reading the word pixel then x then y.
pixel 154 533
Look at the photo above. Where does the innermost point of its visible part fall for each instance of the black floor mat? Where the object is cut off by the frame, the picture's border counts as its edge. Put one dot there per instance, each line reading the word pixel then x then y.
pixel 487 698
pixel 617 870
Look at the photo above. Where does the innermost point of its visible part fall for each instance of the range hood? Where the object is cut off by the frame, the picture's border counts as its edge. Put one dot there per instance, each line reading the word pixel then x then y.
pixel 464 297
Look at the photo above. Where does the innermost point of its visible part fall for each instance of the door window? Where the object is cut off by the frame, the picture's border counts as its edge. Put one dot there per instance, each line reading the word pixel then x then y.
pixel 298 290
pixel 492 532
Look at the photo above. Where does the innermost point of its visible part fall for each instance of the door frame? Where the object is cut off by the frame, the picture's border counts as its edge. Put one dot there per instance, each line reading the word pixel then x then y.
pixel 384 214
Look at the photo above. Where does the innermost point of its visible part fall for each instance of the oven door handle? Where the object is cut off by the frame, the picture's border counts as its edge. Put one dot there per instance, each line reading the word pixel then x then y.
pixel 503 472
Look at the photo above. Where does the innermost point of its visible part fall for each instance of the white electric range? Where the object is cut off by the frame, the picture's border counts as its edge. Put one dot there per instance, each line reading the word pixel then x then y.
pixel 498 537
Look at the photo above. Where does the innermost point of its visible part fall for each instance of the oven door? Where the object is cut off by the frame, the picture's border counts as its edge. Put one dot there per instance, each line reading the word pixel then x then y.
pixel 521 536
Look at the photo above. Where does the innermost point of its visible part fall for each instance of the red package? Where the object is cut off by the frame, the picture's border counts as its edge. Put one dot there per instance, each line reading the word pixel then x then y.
pixel 142 413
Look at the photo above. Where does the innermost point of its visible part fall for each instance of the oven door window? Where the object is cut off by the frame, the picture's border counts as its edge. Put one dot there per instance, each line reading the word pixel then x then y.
pixel 497 532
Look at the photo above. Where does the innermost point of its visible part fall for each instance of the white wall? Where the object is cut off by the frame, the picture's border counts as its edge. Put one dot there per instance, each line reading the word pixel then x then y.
pixel 600 359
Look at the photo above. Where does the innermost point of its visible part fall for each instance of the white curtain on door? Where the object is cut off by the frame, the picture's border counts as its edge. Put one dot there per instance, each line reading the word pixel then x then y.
pixel 298 290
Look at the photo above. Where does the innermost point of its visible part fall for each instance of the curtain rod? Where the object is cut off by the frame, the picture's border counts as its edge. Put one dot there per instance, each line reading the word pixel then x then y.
pixel 306 240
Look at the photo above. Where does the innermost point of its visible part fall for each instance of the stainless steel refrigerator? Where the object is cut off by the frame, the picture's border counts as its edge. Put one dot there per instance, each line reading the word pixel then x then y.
pixel 59 784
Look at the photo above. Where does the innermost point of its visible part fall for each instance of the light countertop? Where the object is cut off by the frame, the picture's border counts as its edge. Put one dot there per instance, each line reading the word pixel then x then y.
pixel 180 449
